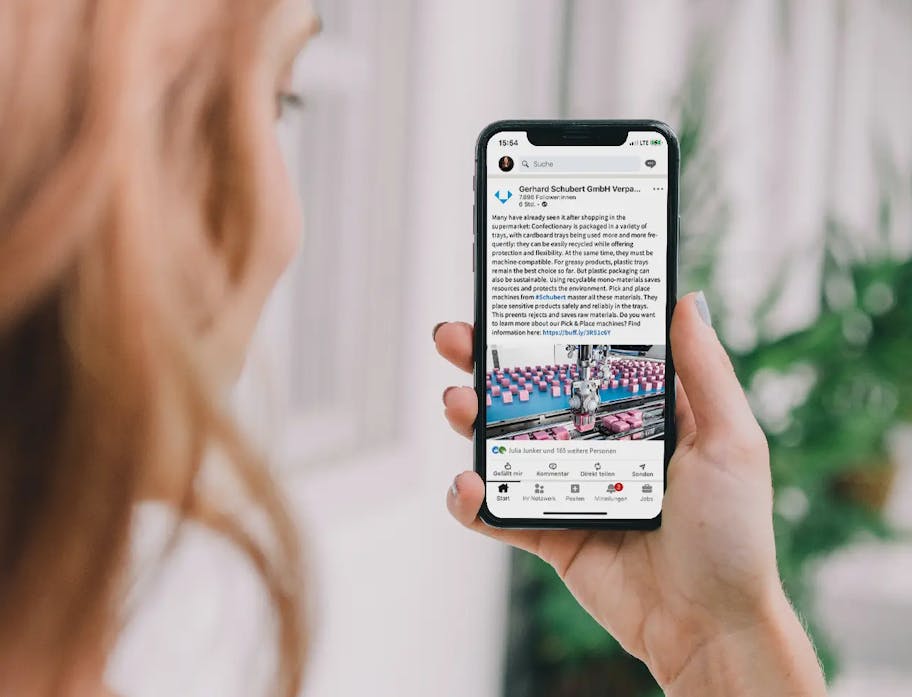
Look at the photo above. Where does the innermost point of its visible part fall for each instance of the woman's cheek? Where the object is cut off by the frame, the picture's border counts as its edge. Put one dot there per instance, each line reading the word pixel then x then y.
pixel 284 218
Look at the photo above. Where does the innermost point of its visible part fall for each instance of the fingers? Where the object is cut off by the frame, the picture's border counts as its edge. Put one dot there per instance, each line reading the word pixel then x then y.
pixel 557 547
pixel 717 402
pixel 454 342
pixel 464 499
pixel 461 409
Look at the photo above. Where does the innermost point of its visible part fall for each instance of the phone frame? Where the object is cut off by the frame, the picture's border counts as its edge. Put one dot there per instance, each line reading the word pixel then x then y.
pixel 570 133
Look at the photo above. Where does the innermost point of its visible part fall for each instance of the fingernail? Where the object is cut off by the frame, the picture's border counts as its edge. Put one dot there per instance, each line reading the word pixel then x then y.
pixel 445 393
pixel 436 327
pixel 454 488
pixel 703 308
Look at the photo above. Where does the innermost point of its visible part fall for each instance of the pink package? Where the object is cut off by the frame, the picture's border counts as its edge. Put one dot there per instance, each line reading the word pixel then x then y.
pixel 567 389
pixel 507 398
pixel 555 391
pixel 521 436
pixel 624 382
pixel 634 389
pixel 619 426
pixel 541 435
pixel 514 389
pixel 542 386
pixel 660 385
pixel 637 436
pixel 647 386
pixel 613 384
pixel 488 399
pixel 523 396
pixel 561 433
pixel 521 380
pixel 495 391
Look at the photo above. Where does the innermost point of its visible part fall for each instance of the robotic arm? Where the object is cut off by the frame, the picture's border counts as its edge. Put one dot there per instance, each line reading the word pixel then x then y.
pixel 584 393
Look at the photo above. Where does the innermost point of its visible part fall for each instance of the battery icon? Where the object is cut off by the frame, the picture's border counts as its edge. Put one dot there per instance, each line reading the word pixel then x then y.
pixel 655 141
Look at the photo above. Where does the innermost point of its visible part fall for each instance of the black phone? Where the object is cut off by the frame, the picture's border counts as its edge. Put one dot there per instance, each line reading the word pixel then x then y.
pixel 576 238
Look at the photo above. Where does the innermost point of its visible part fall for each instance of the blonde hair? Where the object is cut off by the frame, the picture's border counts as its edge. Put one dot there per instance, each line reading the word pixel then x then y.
pixel 128 208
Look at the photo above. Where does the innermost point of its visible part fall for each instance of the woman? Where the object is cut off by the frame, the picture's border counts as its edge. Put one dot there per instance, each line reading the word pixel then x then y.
pixel 699 600
pixel 144 216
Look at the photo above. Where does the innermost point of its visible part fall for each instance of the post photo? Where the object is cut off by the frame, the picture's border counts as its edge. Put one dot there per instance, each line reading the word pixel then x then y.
pixel 575 391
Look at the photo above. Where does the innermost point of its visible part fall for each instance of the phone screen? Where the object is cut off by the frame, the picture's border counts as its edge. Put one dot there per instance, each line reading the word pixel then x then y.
pixel 575 389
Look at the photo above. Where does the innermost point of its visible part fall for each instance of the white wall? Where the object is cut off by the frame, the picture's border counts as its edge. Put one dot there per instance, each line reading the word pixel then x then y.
pixel 412 604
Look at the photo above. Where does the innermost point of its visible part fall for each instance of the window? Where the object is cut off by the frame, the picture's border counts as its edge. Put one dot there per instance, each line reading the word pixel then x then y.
pixel 326 357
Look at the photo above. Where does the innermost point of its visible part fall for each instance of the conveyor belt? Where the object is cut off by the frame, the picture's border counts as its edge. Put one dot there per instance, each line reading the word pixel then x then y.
pixel 653 422
pixel 543 403
pixel 525 424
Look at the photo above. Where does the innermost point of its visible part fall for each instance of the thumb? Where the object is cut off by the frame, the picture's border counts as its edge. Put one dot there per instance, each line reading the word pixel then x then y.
pixel 720 408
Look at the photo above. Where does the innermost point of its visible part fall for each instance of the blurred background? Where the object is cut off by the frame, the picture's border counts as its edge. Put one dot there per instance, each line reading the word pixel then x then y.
pixel 793 117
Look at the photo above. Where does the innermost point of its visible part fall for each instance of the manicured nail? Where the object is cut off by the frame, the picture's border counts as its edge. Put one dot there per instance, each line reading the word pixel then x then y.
pixel 436 327
pixel 454 488
pixel 703 308
pixel 445 393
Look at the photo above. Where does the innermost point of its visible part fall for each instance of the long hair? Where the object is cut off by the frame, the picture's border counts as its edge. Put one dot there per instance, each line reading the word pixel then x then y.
pixel 128 208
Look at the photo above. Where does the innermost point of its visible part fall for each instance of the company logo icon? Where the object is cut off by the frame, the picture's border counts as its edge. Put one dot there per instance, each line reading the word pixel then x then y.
pixel 499 450
pixel 503 196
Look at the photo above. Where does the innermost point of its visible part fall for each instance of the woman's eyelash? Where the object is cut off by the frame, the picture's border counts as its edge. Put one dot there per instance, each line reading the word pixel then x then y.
pixel 289 101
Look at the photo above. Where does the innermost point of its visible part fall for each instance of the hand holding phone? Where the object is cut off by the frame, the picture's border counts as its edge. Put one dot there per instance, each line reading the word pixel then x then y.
pixel 698 600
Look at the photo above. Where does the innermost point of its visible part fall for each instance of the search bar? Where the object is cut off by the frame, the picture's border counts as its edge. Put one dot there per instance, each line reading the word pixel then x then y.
pixel 618 163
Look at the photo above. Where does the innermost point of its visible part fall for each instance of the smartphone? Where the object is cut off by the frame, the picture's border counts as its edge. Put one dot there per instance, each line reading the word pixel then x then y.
pixel 575 258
